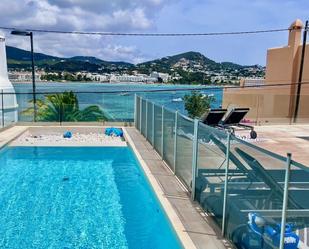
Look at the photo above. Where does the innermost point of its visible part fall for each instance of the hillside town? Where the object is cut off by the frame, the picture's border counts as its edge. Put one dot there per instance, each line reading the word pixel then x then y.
pixel 186 68
pixel 41 75
pixel 208 77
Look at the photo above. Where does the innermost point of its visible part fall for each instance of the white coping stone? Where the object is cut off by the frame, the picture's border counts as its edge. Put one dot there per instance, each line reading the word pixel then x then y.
pixel 77 139
pixel 9 134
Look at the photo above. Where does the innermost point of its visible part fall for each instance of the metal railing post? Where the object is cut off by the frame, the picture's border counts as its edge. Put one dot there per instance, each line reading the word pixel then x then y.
pixel 153 124
pixel 227 162
pixel 194 158
pixel 135 111
pixel 285 199
pixel 2 108
pixel 61 114
pixel 175 140
pixel 140 114
pixel 162 132
pixel 146 121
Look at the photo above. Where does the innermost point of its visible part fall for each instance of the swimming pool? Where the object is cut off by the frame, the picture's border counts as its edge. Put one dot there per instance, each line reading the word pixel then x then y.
pixel 79 197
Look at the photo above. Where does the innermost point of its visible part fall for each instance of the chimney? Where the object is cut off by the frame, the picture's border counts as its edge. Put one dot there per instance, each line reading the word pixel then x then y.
pixel 295 32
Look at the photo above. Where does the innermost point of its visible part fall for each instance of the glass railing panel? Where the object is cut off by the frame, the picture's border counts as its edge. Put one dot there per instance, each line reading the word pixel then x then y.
pixel 303 110
pixel 268 105
pixel 184 151
pixel 46 108
pixel 25 107
pixel 8 109
pixel 169 137
pixel 174 99
pixel 274 108
pixel 143 117
pixel 119 106
pixel 158 129
pixel 85 113
pixel 211 164
pixel 265 107
pixel 149 130
pixel 254 195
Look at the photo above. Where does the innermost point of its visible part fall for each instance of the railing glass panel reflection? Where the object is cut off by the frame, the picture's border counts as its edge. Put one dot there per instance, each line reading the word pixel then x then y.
pixel 233 180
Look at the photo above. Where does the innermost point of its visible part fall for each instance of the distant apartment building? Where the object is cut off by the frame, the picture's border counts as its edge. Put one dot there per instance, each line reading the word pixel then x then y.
pixel 245 82
pixel 23 76
pixel 272 103
pixel 164 76
pixel 98 77
pixel 132 78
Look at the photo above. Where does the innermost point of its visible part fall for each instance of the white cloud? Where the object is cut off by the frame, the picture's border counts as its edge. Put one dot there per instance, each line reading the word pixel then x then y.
pixel 90 15
pixel 153 16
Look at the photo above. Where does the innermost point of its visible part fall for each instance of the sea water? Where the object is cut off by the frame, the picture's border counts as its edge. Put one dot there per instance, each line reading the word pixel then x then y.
pixel 116 100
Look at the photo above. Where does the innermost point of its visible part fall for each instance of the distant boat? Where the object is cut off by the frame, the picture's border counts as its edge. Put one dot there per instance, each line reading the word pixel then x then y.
pixel 177 100
pixel 124 94
pixel 208 95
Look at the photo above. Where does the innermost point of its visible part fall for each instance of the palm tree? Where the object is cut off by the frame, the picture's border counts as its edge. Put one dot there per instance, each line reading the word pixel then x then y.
pixel 64 107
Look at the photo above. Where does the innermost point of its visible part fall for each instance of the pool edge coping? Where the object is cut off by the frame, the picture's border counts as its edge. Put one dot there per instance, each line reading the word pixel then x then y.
pixel 8 140
pixel 173 217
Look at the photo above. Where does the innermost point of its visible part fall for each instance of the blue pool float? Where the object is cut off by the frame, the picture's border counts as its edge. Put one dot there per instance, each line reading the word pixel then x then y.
pixel 114 132
pixel 67 134
pixel 265 234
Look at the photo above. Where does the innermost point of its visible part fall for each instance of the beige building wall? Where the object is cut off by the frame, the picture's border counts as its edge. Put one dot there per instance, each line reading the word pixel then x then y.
pixel 277 104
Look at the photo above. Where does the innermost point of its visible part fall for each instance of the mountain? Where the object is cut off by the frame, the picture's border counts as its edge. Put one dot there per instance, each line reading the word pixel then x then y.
pixel 168 62
pixel 190 67
pixel 24 55
pixel 90 59
pixel 19 58
pixel 73 66
pixel 95 60
pixel 189 60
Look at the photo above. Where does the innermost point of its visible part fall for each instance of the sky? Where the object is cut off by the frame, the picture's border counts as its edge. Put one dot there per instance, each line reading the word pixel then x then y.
pixel 157 16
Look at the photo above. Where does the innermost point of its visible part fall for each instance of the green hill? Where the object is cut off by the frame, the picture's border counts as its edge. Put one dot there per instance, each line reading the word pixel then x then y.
pixel 190 67
pixel 19 58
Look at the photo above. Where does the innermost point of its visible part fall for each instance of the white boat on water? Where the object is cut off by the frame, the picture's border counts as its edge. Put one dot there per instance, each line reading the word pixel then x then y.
pixel 208 95
pixel 124 94
pixel 177 100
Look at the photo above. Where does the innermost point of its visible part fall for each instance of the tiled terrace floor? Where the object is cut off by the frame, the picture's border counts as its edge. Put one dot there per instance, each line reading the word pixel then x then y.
pixel 201 230
pixel 282 139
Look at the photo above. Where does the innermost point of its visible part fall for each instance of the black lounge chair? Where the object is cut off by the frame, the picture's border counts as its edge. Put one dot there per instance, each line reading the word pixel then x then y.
pixel 261 173
pixel 213 117
pixel 233 119
pixel 201 183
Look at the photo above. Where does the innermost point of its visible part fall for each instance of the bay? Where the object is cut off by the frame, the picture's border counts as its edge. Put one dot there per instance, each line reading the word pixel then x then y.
pixel 116 100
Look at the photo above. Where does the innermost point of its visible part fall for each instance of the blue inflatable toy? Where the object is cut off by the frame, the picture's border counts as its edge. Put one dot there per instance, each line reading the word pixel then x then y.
pixel 114 132
pixel 67 134
pixel 265 234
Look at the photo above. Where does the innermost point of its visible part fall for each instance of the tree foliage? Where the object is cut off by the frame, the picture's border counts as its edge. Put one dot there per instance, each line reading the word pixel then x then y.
pixel 196 104
pixel 64 107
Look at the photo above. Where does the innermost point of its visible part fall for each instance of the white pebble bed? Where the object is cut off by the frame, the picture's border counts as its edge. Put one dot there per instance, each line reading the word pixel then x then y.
pixel 77 139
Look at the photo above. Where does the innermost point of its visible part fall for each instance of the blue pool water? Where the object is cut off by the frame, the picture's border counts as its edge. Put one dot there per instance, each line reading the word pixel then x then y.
pixel 75 197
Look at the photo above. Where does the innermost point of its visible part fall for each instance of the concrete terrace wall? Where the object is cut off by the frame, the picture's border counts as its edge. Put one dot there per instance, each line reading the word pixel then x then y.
pixel 277 104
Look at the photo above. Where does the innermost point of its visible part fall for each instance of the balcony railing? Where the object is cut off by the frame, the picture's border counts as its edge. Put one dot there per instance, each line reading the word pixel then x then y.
pixel 116 106
pixel 231 179
pixel 268 105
